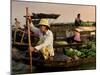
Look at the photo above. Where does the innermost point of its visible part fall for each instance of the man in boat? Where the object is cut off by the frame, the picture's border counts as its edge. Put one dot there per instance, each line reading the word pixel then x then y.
pixel 45 44
pixel 17 23
pixel 78 20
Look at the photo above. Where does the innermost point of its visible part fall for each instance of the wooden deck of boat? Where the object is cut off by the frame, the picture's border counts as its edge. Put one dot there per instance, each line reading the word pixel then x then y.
pixel 60 60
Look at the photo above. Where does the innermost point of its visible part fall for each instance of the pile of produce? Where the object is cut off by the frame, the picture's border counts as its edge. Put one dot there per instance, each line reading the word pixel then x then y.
pixel 86 24
pixel 88 49
pixel 61 42
pixel 85 50
pixel 72 52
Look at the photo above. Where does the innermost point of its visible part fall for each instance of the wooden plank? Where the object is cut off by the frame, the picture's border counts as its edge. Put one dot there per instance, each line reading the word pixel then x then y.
pixel 55 45
pixel 68 45
pixel 85 28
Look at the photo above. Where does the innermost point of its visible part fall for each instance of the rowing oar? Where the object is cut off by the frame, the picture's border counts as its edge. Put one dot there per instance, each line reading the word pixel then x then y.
pixel 29 38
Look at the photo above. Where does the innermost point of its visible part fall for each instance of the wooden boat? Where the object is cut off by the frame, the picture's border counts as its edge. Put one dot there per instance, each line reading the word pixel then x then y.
pixel 20 41
pixel 60 60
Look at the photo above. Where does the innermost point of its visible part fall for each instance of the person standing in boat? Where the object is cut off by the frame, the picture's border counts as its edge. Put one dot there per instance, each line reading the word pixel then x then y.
pixel 78 20
pixel 45 44
pixel 17 23
pixel 77 37
pixel 73 36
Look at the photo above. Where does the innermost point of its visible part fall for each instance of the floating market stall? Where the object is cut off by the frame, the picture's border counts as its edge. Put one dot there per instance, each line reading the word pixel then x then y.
pixel 66 54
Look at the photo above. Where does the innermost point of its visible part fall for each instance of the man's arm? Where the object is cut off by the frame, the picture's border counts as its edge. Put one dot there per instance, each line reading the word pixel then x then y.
pixel 33 28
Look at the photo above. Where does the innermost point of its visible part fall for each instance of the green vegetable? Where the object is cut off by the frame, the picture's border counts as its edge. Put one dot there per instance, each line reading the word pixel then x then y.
pixel 61 42
pixel 86 24
pixel 85 50
pixel 72 52
pixel 88 49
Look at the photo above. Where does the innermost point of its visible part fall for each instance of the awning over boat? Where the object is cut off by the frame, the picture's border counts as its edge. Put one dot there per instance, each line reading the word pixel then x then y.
pixel 43 15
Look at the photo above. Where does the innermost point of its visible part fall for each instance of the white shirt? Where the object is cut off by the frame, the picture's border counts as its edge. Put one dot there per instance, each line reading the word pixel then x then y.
pixel 46 41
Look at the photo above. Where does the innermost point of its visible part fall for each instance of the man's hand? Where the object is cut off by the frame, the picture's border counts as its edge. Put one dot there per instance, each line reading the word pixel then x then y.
pixel 32 49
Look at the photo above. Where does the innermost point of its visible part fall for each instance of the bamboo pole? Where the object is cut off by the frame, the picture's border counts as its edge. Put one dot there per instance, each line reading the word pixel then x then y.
pixel 22 37
pixel 15 35
pixel 29 38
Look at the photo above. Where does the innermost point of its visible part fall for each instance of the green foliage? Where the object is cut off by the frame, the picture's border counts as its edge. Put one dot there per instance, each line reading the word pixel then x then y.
pixel 61 42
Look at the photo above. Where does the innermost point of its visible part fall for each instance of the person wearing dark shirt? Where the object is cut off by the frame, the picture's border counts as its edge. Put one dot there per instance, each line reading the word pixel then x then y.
pixel 78 20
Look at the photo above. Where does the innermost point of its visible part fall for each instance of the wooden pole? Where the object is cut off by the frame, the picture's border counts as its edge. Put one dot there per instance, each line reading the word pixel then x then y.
pixel 22 37
pixel 29 38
